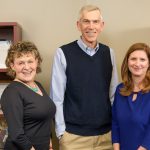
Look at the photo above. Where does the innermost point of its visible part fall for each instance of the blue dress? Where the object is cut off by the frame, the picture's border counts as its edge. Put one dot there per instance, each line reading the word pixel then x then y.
pixel 131 120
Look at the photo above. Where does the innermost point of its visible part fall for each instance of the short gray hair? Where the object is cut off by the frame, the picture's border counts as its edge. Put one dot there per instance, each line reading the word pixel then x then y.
pixel 89 8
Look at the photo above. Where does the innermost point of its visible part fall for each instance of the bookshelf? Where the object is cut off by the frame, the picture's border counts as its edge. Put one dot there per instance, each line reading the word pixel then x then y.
pixel 9 31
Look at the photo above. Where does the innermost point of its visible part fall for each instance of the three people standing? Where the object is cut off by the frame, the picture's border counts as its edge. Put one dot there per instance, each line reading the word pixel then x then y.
pixel 84 80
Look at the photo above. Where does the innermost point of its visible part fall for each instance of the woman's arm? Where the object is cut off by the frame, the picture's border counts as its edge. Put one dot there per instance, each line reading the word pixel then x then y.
pixel 145 143
pixel 51 145
pixel 115 126
pixel 12 106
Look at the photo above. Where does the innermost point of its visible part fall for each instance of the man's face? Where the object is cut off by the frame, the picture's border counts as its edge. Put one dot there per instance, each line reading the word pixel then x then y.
pixel 90 25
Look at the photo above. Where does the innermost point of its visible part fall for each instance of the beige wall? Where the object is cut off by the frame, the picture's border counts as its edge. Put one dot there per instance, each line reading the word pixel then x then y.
pixel 51 23
pixel 48 23
pixel 126 22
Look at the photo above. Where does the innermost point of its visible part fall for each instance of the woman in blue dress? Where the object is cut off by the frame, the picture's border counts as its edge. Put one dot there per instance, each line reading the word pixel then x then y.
pixel 131 108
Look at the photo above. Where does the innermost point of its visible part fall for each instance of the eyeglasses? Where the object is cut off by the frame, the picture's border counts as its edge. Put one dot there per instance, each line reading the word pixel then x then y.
pixel 88 22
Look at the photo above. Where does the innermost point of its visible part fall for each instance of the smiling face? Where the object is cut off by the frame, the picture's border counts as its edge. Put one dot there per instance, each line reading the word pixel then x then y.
pixel 90 25
pixel 25 67
pixel 138 63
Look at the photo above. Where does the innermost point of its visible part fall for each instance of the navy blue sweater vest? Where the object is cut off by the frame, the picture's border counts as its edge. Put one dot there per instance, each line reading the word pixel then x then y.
pixel 87 107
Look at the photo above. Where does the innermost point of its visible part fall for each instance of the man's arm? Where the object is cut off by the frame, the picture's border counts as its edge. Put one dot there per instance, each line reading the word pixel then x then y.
pixel 114 78
pixel 57 90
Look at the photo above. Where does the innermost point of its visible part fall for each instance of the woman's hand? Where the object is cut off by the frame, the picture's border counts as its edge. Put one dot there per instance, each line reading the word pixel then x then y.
pixel 116 146
pixel 50 146
pixel 141 148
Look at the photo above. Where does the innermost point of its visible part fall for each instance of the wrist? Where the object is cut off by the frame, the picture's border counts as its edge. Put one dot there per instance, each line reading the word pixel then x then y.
pixel 60 136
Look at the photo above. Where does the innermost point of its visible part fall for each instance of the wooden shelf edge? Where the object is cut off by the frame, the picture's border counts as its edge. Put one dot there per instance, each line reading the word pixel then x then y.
pixel 3 69
pixel 8 23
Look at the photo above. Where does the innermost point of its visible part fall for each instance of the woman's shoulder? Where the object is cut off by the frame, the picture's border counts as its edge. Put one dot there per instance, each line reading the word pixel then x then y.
pixel 120 85
pixel 10 92
pixel 13 86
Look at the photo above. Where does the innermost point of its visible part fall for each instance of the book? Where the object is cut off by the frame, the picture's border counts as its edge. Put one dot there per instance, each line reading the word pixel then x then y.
pixel 4 46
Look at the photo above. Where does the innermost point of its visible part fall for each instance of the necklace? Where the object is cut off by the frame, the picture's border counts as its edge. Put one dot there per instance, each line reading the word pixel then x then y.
pixel 35 89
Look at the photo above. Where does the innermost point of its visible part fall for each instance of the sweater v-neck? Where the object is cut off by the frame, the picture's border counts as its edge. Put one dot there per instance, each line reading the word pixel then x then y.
pixel 87 55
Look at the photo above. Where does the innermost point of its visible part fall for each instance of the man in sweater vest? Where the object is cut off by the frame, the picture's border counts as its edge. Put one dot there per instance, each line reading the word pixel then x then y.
pixel 84 79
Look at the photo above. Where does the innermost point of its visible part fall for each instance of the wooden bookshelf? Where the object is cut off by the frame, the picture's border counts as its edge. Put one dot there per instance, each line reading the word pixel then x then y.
pixel 9 31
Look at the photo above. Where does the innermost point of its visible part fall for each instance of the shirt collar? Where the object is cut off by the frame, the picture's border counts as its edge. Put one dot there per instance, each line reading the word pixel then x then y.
pixel 84 47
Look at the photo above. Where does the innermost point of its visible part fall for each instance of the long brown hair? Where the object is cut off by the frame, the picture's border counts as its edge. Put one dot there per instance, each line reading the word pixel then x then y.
pixel 126 74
